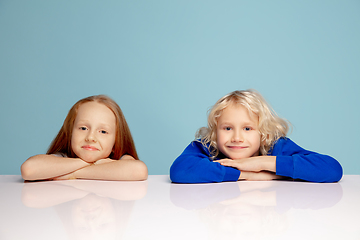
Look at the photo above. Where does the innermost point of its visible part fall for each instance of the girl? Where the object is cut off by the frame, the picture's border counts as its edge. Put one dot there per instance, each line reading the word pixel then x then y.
pixel 94 143
pixel 246 140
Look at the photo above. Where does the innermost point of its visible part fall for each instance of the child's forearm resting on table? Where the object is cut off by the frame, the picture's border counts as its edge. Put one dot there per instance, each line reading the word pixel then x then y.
pixel 124 169
pixel 254 168
pixel 43 166
pixel 47 167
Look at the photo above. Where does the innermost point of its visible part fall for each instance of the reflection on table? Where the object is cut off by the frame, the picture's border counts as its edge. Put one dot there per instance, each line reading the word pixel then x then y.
pixel 252 210
pixel 158 209
pixel 87 209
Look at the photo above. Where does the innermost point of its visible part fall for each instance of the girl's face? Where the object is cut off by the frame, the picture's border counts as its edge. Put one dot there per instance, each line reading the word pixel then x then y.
pixel 237 133
pixel 93 135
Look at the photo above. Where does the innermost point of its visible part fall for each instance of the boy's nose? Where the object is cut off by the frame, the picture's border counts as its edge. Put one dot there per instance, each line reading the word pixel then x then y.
pixel 237 137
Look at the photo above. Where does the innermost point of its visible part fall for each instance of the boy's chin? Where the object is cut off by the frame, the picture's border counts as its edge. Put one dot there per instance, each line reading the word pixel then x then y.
pixel 234 157
pixel 239 156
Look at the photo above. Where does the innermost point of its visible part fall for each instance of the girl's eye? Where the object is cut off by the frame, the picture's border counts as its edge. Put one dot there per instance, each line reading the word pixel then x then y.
pixel 82 128
pixel 103 132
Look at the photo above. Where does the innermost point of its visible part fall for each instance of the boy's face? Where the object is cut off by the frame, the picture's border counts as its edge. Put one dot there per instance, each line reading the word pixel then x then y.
pixel 93 135
pixel 238 135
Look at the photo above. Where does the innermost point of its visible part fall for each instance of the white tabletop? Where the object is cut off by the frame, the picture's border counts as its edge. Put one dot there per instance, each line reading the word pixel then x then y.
pixel 158 209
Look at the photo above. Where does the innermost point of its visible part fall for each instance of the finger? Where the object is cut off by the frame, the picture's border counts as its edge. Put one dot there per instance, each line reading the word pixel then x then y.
pixel 229 164
pixel 223 159
pixel 219 161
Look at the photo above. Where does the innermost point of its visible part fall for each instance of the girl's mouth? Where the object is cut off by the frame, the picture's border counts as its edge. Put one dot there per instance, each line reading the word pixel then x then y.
pixel 90 148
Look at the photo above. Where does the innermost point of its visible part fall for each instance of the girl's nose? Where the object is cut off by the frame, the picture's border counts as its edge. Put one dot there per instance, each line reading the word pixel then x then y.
pixel 90 137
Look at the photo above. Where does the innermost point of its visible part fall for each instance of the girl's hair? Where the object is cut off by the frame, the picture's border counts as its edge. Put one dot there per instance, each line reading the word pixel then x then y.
pixel 271 127
pixel 124 143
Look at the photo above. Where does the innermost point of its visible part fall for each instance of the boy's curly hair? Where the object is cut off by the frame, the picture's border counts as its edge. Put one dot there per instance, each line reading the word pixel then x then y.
pixel 271 126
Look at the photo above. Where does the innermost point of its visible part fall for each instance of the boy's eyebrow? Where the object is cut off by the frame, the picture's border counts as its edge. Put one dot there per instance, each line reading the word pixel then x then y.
pixel 249 123
pixel 225 123
pixel 243 123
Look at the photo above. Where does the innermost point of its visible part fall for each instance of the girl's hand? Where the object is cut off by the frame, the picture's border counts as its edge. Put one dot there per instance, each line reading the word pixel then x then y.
pixel 252 164
pixel 72 175
pixel 102 161
pixel 69 176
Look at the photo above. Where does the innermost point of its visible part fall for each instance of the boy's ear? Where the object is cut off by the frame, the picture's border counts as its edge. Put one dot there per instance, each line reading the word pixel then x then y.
pixel 266 138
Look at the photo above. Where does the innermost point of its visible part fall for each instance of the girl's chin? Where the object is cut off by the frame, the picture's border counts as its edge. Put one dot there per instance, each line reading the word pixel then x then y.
pixel 89 160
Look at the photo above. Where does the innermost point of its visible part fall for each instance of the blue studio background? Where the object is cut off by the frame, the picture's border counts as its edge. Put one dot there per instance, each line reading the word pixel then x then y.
pixel 166 62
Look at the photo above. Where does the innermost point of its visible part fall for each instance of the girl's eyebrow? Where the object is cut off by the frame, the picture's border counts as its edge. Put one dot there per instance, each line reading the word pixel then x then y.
pixel 104 125
pixel 86 122
pixel 80 122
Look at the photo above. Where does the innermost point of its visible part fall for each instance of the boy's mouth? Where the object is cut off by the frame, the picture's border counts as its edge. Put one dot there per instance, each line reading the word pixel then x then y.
pixel 237 147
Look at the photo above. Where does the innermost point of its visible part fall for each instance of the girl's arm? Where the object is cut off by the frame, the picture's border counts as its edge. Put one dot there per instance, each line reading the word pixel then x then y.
pixel 127 169
pixel 46 167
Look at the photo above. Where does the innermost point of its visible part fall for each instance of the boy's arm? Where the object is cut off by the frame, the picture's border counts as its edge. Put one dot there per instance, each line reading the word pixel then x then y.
pixel 252 164
pixel 46 167
pixel 194 166
pixel 290 160
pixel 260 168
pixel 295 162
pixel 259 176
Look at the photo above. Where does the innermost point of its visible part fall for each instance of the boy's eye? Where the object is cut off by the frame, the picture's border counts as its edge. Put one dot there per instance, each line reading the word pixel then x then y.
pixel 247 128
pixel 227 128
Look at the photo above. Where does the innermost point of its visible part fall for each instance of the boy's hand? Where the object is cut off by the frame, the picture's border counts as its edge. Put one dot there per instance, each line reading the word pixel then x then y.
pixel 258 176
pixel 252 164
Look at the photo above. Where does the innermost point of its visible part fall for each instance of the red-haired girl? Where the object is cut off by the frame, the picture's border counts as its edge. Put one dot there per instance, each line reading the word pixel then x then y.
pixel 94 142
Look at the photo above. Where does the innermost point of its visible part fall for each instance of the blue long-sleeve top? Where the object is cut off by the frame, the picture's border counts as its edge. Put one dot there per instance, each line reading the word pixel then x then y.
pixel 195 165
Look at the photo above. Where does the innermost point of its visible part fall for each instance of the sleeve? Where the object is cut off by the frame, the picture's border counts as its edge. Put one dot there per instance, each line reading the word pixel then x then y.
pixel 195 166
pixel 298 163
